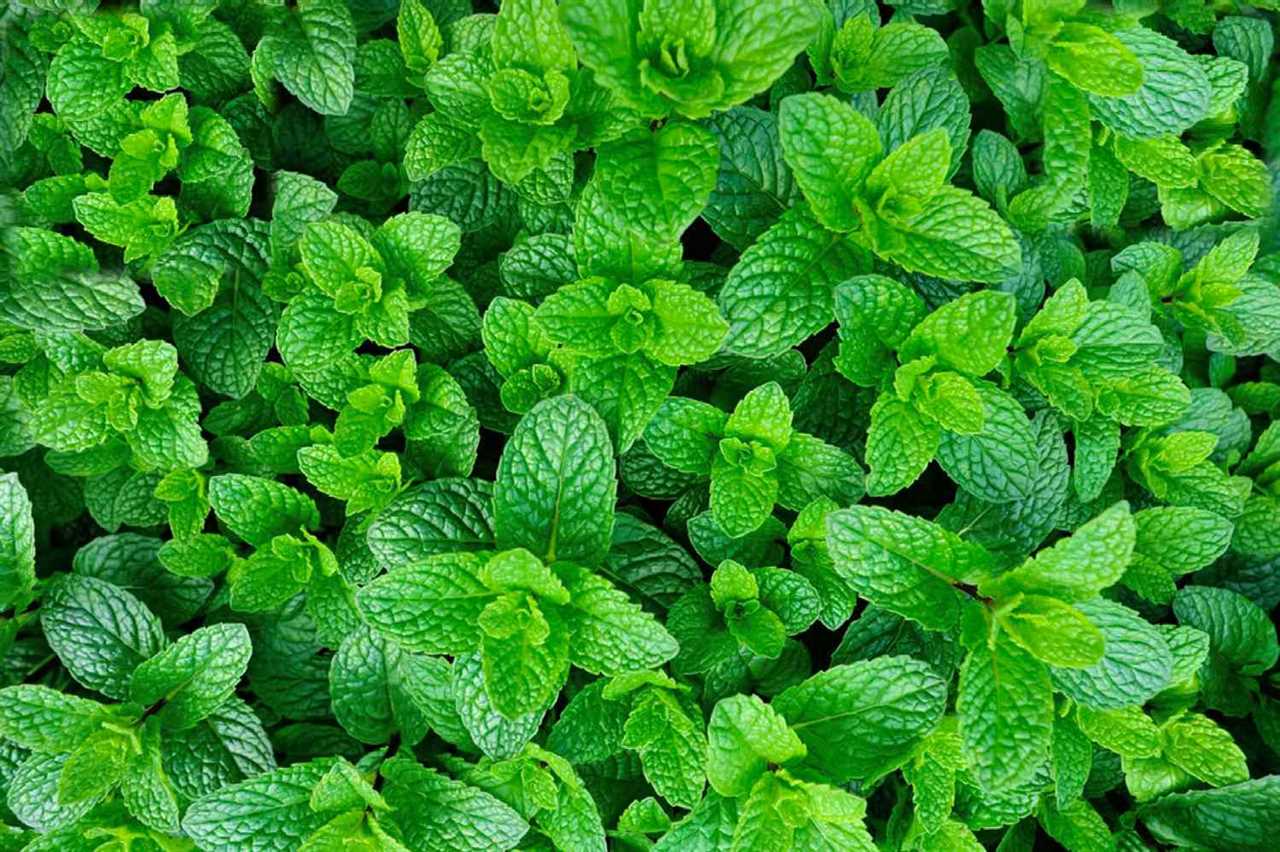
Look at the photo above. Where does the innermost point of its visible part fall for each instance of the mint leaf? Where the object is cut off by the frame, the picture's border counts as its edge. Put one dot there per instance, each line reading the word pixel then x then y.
pixel 659 183
pixel 272 809
pixel 887 704
pixel 556 484
pixel 45 720
pixel 100 632
pixel 436 812
pixel 258 509
pixel 313 56
pixel 779 292
pixel 432 606
pixel 195 675
pixel 611 634
pixel 744 736
pixel 1005 704
pixel 17 562
pixel 902 563
pixel 830 148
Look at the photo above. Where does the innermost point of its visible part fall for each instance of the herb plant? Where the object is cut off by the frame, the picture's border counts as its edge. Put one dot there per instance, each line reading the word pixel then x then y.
pixel 675 425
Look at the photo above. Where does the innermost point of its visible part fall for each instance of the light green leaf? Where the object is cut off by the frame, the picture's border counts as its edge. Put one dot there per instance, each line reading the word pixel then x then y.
pixel 1005 705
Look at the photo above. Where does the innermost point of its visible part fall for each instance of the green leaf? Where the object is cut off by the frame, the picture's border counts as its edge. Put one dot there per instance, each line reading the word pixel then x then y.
pixel 377 689
pixel 575 821
pixel 417 247
pixel 866 57
pixel 313 56
pixel 434 812
pixel 754 186
pixel 743 737
pixel 525 655
pixel 658 182
pixel 1054 632
pixel 1005 704
pixel 780 290
pixel 17 542
pixel 625 390
pixel 45 720
pixel 953 401
pixel 99 631
pixel 1079 567
pixel 1239 631
pixel 1255 529
pixel 969 334
pixel 761 824
pixel 1097 445
pixel 56 285
pixel 915 169
pixel 258 509
pixel 685 434
pixel 830 148
pixel 442 516
pixel 1076 825
pixel 555 485
pixel 277 572
pixel 1136 662
pixel 529 33
pixel 195 675
pixel 742 498
pixel 1163 160
pixel 419 37
pixel 272 810
pixel 432 606
pixel 1171 541
pixel 904 564
pixel 996 464
pixel 887 704
pixel 764 415
pixel 810 468
pixel 951 235
pixel 1196 745
pixel 143 228
pixel 1151 398
pixel 1072 761
pixel 671 745
pixel 225 333
pixel 216 169
pixel 93 767
pixel 497 736
pixel 1174 93
pixel 605 244
pixel 1239 816
pixel 690 328
pixel 611 634
pixel 1127 731
pixel 749 54
pixel 513 339
pixel 1094 60
pixel 931 97
pixel 33 794
pixel 83 83
pixel 299 200
pixel 998 170
pixel 900 445
pixel 145 788
pixel 875 314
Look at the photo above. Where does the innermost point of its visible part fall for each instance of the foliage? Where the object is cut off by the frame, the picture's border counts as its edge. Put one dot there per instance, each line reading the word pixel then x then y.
pixel 746 425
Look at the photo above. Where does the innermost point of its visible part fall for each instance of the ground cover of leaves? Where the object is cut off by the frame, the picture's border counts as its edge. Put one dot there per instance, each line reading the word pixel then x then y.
pixel 687 425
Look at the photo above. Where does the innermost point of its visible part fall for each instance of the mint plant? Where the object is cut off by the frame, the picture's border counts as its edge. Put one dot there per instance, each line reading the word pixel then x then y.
pixel 752 457
pixel 673 425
